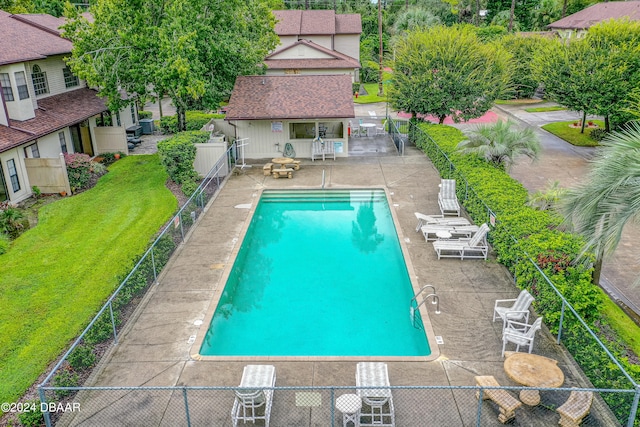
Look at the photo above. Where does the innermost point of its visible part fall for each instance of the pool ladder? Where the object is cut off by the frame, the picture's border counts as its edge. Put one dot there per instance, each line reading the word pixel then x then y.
pixel 414 305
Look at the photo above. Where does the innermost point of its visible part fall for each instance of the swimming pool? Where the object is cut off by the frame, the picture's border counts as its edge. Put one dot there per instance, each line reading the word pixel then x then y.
pixel 319 273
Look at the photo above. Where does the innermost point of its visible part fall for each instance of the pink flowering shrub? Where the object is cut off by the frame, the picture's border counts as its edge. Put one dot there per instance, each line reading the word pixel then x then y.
pixel 81 170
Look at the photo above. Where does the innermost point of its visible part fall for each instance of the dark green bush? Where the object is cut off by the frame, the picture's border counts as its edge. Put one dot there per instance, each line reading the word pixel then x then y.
pixel 12 221
pixel 142 114
pixel 178 153
pixel 598 134
pixel 65 378
pixel 195 120
pixel 33 417
pixel 102 329
pixel 81 357
pixel 189 187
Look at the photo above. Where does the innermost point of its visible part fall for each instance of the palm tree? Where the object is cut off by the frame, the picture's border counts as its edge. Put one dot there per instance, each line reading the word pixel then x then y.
pixel 610 197
pixel 500 143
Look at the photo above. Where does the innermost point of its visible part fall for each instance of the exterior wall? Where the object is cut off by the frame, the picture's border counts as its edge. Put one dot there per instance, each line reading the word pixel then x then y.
pixel 53 67
pixel 301 52
pixel 314 72
pixel 125 117
pixel 324 41
pixel 17 154
pixel 348 44
pixel 49 145
pixel 286 41
pixel 20 109
pixel 264 143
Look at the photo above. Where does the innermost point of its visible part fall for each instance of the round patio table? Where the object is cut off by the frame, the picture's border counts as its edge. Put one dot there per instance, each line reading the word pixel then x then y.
pixel 282 161
pixel 532 370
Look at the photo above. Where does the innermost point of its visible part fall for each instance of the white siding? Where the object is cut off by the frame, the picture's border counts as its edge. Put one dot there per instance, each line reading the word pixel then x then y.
pixel 19 109
pixel 49 145
pixel 324 41
pixel 286 41
pixel 301 52
pixel 25 188
pixel 348 44
pixel 262 141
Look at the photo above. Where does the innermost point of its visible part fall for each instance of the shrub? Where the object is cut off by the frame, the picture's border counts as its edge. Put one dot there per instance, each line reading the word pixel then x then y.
pixel 33 417
pixel 102 329
pixel 81 357
pixel 110 158
pixel 598 134
pixel 142 114
pixel 65 378
pixel 36 192
pixel 178 153
pixel 189 187
pixel 12 221
pixel 5 243
pixel 195 120
pixel 81 169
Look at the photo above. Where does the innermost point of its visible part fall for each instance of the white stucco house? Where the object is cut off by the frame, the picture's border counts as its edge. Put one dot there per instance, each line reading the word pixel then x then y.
pixel 316 42
pixel 45 110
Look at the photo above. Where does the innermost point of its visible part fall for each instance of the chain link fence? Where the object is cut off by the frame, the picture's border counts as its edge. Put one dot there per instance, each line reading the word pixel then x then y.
pixel 324 406
pixel 398 131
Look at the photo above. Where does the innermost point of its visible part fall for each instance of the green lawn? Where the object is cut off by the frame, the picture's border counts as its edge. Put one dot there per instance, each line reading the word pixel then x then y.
pixel 572 135
pixel 57 275
pixel 372 90
pixel 518 101
pixel 624 326
pixel 544 109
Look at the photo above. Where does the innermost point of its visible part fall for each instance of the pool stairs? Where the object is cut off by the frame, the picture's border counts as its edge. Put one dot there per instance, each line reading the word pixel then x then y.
pixel 414 305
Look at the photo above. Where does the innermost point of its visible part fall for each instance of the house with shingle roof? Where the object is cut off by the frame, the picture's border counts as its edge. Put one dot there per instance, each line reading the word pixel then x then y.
pixel 316 42
pixel 272 111
pixel 577 24
pixel 45 110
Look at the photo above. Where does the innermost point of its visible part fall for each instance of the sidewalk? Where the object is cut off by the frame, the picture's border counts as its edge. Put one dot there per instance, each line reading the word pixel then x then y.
pixel 568 164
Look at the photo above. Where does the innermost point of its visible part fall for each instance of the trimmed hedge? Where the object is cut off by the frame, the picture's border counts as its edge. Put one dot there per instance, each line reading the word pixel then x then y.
pixel 195 120
pixel 484 189
pixel 178 153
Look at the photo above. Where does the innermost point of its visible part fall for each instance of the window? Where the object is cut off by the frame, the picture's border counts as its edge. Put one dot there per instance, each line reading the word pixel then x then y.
pixel 302 130
pixel 31 151
pixel 5 82
pixel 39 79
pixel 21 82
pixel 70 80
pixel 63 142
pixel 133 114
pixel 13 175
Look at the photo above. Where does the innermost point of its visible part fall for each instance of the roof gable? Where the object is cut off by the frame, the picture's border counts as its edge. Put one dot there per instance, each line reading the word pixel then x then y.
pixel 597 13
pixel 291 97
pixel 313 56
pixel 28 38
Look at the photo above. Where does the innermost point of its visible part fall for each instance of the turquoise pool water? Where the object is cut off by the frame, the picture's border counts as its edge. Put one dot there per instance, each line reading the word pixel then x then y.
pixel 319 273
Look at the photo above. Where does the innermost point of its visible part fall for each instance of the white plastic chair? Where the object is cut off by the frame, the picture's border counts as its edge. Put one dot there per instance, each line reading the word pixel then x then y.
pixel 517 311
pixel 377 403
pixel 447 199
pixel 438 220
pixel 520 334
pixel 475 247
pixel 253 401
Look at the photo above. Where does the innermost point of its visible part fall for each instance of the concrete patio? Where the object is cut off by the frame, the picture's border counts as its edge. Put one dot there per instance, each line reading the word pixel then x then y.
pixel 157 348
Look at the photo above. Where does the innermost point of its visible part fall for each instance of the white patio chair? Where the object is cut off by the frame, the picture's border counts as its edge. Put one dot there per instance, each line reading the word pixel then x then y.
pixel 473 248
pixel 253 401
pixel 380 130
pixel 520 334
pixel 518 310
pixel 377 403
pixel 447 199
pixel 456 231
pixel 317 149
pixel 438 219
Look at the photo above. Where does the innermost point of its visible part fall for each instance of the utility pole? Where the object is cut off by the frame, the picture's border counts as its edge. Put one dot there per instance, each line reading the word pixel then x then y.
pixel 380 89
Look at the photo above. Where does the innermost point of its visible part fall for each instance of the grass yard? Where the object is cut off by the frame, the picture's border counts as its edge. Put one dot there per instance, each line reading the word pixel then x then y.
pixel 544 109
pixel 624 326
pixel 518 101
pixel 57 275
pixel 572 135
pixel 372 90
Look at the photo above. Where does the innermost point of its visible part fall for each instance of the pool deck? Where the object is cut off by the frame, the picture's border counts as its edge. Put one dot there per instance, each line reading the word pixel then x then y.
pixel 157 345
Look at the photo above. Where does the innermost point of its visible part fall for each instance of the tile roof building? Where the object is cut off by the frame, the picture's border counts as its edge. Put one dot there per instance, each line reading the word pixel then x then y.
pixel 45 110
pixel 577 24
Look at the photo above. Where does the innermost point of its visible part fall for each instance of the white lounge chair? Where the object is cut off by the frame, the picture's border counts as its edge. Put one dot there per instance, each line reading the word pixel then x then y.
pixel 466 231
pixel 377 403
pixel 438 219
pixel 254 399
pixel 475 247
pixel 447 199
pixel 520 334
pixel 518 310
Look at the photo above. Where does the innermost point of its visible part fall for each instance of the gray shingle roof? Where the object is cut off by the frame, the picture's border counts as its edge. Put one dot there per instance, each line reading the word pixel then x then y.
pixel 291 97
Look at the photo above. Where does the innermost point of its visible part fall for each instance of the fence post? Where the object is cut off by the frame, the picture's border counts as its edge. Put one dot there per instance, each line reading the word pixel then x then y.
pixel 153 265
pixel 186 406
pixel 113 324
pixel 634 407
pixel 333 407
pixel 479 411
pixel 181 227
pixel 561 321
pixel 45 414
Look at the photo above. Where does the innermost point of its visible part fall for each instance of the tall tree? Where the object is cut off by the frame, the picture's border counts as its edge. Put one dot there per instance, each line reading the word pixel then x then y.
pixel 447 71
pixel 191 50
pixel 610 197
pixel 523 51
pixel 596 74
